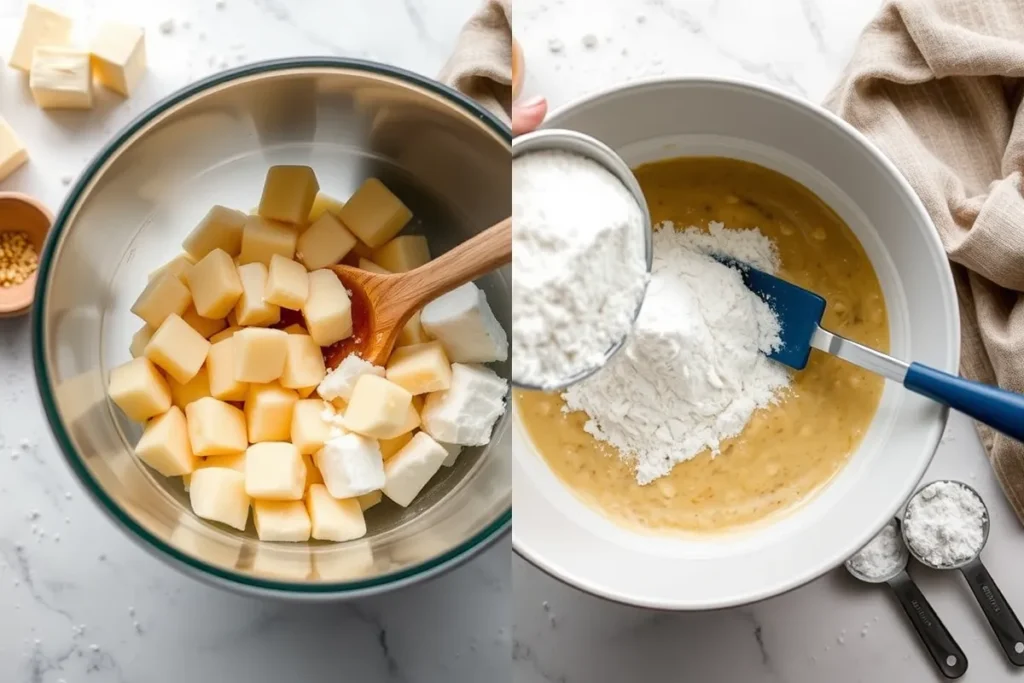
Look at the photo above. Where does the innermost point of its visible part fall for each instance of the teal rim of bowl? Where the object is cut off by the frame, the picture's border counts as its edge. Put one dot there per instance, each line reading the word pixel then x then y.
pixel 448 560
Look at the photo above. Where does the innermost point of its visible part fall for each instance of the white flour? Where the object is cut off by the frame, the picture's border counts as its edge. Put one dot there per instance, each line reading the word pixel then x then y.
pixel 694 370
pixel 882 556
pixel 945 524
pixel 578 265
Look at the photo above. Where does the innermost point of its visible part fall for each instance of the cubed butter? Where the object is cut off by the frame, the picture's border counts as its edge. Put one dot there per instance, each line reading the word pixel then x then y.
pixel 139 340
pixel 196 388
pixel 403 253
pixel 274 471
pixel 367 264
pixel 179 266
pixel 304 363
pixel 214 284
pixel 12 152
pixel 412 332
pixel 215 427
pixel 324 243
pixel 388 447
pixel 420 368
pixel 309 430
pixel 61 78
pixel 138 389
pixel 262 238
pixel 288 194
pixel 252 307
pixel 466 412
pixel 295 328
pixel 177 349
pixel 164 445
pixel 328 310
pixel 268 412
pixel 221 228
pixel 220 366
pixel 463 322
pixel 119 56
pixel 368 500
pixel 312 471
pixel 378 408
pixel 411 422
pixel 341 381
pixel 163 296
pixel 204 326
pixel 351 465
pixel 333 519
pixel 323 203
pixel 226 333
pixel 218 494
pixel 374 213
pixel 281 520
pixel 234 461
pixel 305 392
pixel 287 283
pixel 260 354
pixel 412 467
pixel 41 27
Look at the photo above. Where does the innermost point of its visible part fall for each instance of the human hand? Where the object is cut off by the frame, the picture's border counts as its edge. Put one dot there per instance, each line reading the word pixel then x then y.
pixel 528 115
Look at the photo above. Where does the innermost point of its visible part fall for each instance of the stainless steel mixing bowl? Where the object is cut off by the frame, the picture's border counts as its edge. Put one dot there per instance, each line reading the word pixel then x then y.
pixel 211 143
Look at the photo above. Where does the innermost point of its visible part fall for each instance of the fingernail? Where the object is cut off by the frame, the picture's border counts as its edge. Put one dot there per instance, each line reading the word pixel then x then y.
pixel 532 102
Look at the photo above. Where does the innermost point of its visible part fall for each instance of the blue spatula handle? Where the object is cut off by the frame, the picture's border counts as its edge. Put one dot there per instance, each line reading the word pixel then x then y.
pixel 999 409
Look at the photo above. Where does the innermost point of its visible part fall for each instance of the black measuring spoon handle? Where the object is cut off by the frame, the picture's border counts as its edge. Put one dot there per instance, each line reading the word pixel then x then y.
pixel 997 610
pixel 948 656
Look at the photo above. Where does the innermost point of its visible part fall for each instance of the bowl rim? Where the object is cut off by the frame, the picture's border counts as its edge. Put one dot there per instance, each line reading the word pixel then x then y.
pixel 215 575
pixel 551 568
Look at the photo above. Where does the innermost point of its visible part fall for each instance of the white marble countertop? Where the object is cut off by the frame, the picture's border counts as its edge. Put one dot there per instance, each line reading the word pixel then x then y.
pixel 834 629
pixel 81 603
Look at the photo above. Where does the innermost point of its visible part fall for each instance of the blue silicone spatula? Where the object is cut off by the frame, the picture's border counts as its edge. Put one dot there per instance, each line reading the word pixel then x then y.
pixel 799 312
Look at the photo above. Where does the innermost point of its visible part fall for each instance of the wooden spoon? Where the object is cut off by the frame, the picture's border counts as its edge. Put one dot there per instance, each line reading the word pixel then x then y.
pixel 390 300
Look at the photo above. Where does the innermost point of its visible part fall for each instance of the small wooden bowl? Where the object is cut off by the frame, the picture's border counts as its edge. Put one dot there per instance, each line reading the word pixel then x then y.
pixel 19 212
pixel 518 69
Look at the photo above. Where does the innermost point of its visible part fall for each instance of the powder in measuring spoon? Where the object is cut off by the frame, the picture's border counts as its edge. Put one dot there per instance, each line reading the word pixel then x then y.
pixel 945 524
pixel 578 265
pixel 882 556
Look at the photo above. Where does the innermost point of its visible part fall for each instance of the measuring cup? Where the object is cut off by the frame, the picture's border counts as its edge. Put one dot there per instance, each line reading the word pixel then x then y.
pixel 997 610
pixel 948 656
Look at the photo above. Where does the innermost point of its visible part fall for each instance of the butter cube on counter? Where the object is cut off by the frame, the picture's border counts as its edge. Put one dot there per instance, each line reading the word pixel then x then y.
pixel 262 238
pixel 309 430
pixel 463 322
pixel 177 349
pixel 288 194
pixel 218 494
pixel 340 382
pixel 324 243
pixel 281 520
pixel 163 296
pixel 179 266
pixel 207 327
pixel 196 388
pixel 351 465
pixel 12 153
pixel 214 284
pixel 368 500
pixel 323 203
pixel 388 447
pixel 403 253
pixel 252 307
pixel 164 445
pixel 119 56
pixel 138 389
pixel 260 354
pixel 378 408
pixel 412 332
pixel 220 228
pixel 467 411
pixel 287 283
pixel 61 78
pixel 412 467
pixel 333 519
pixel 367 264
pixel 328 310
pixel 274 471
pixel 41 27
pixel 268 412
pixel 220 366
pixel 304 363
pixel 420 368
pixel 139 341
pixel 215 427
pixel 374 213
pixel 453 453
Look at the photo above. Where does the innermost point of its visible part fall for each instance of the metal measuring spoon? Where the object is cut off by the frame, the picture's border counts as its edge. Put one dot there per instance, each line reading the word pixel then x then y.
pixel 948 656
pixel 997 610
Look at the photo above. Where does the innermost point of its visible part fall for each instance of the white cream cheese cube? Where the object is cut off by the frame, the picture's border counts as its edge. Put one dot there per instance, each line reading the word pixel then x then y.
pixel 412 332
pixel 214 284
pixel 351 465
pixel 309 430
pixel 61 78
pixel 262 238
pixel 333 519
pixel 368 500
pixel 119 56
pixel 218 494
pixel 453 453
pixel 179 266
pixel 207 327
pixel 328 310
pixel 220 366
pixel 412 467
pixel 260 354
pixel 340 382
pixel 403 253
pixel 378 408
pixel 288 194
pixel 164 445
pixel 467 411
pixel 252 307
pixel 374 213
pixel 274 471
pixel 139 340
pixel 163 296
pixel 12 152
pixel 304 363
pixel 388 447
pixel 324 243
pixel 287 283
pixel 220 228
pixel 268 412
pixel 138 389
pixel 420 368
pixel 196 388
pixel 177 349
pixel 281 520
pixel 463 322
pixel 323 203
pixel 40 27
pixel 215 427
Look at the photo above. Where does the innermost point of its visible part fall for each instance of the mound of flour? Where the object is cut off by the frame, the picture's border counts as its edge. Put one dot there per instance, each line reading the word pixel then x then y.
pixel 694 369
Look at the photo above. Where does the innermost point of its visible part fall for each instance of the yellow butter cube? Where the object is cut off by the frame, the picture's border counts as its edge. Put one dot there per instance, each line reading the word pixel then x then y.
pixel 281 520
pixel 268 412
pixel 177 349
pixel 214 284
pixel 221 228
pixel 260 354
pixel 138 389
pixel 388 447
pixel 163 296
pixel 374 213
pixel 412 332
pixel 288 193
pixel 204 326
pixel 328 310
pixel 368 500
pixel 119 56
pixel 411 422
pixel 252 307
pixel 196 388
pixel 12 152
pixel 139 341
pixel 164 445
pixel 295 328
pixel 61 78
pixel 287 283
pixel 324 243
pixel 367 264
pixel 179 266
pixel 218 494
pixel 262 238
pixel 220 366
pixel 403 253
pixel 233 461
pixel 215 427
pixel 304 363
pixel 305 392
pixel 333 519
pixel 409 470
pixel 309 430
pixel 274 471
pixel 323 203
pixel 226 333
pixel 313 475
pixel 420 368
pixel 40 27
pixel 378 408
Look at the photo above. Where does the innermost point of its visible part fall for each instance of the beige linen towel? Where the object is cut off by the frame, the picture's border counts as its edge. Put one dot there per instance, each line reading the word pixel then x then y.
pixel 936 84
pixel 481 65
